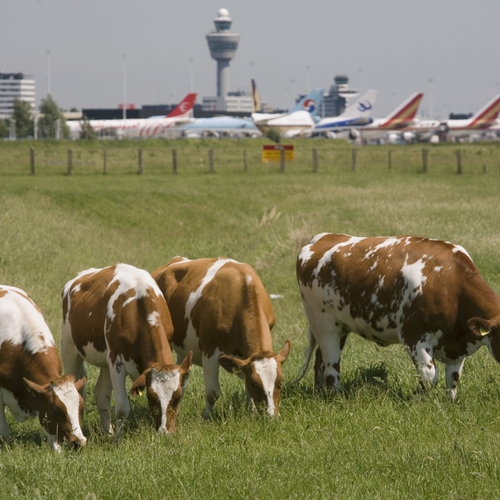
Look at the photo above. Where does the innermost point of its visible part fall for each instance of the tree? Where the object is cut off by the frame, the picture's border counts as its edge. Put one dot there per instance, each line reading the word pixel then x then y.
pixel 87 131
pixel 274 135
pixel 4 129
pixel 23 116
pixel 48 122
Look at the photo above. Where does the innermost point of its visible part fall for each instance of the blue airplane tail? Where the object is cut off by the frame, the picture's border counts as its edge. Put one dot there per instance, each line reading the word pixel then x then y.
pixel 311 102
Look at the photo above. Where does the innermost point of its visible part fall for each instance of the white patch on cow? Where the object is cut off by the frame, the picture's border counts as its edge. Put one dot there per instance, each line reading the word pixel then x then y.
pixel 21 322
pixel 461 249
pixel 69 289
pixel 437 268
pixel 70 398
pixel 195 296
pixel 129 278
pixel 267 370
pixel 95 357
pixel 327 256
pixel 248 279
pixel 164 383
pixel 154 318
pixel 414 276
pixel 387 242
pixel 9 400
pixel 317 237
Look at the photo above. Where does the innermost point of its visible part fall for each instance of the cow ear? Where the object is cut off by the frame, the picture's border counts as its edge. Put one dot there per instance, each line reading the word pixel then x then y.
pixel 33 387
pixel 231 364
pixel 186 363
pixel 140 384
pixel 283 354
pixel 80 384
pixel 479 326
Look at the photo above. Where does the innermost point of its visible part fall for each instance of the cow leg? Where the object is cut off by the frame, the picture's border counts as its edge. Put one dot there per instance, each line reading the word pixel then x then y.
pixel 122 403
pixel 102 392
pixel 4 425
pixel 212 386
pixel 453 374
pixel 421 355
pixel 328 354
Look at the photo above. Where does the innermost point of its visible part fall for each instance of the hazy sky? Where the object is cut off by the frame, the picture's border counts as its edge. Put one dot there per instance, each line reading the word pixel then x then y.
pixel 394 46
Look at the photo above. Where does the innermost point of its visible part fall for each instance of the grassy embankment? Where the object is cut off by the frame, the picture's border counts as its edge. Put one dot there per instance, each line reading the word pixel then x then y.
pixel 373 440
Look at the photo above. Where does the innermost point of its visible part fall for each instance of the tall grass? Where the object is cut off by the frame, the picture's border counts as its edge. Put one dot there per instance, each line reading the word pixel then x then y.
pixel 375 439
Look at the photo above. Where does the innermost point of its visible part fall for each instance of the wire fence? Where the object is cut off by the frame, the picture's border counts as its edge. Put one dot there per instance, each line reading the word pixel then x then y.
pixel 203 157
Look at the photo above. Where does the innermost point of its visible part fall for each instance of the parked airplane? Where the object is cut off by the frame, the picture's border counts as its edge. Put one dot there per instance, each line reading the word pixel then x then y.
pixel 298 121
pixel 355 115
pixel 218 126
pixel 139 127
pixel 484 120
pixel 381 128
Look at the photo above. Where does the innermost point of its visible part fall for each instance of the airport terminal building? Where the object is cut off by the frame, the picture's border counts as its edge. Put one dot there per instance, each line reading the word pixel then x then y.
pixel 15 86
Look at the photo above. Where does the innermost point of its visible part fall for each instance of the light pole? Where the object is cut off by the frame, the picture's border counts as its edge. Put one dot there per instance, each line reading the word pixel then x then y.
pixel 191 85
pixel 48 71
pixel 124 89
pixel 430 80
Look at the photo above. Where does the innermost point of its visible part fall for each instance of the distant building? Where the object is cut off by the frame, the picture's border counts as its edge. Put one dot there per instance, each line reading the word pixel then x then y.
pixel 234 102
pixel 15 86
pixel 338 97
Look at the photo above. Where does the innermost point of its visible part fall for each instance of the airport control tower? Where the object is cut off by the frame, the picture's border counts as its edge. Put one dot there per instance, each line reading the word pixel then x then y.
pixel 222 44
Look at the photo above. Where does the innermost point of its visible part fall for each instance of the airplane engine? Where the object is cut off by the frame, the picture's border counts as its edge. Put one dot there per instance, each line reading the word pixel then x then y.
pixel 434 139
pixel 354 134
pixel 330 135
pixel 409 136
pixel 393 138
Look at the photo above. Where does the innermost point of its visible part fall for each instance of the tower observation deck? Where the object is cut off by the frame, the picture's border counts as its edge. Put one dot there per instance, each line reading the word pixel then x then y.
pixel 222 44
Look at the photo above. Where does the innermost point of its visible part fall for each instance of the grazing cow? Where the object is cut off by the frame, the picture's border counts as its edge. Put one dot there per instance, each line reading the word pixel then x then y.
pixel 222 312
pixel 425 294
pixel 117 319
pixel 31 381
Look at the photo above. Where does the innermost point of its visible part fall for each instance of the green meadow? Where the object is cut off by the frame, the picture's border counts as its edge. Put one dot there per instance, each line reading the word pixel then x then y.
pixel 375 438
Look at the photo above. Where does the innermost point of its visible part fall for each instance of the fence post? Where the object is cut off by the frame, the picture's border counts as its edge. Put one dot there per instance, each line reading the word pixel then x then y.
pixel 354 153
pixel 139 159
pixel 484 168
pixel 459 161
pixel 245 166
pixel 104 162
pixel 70 162
pixel 315 160
pixel 174 161
pixel 282 160
pixel 211 169
pixel 32 161
pixel 389 159
pixel 424 160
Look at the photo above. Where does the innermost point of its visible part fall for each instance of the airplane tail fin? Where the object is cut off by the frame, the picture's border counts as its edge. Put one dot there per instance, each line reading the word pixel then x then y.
pixel 405 113
pixel 257 103
pixel 487 115
pixel 184 108
pixel 362 107
pixel 311 102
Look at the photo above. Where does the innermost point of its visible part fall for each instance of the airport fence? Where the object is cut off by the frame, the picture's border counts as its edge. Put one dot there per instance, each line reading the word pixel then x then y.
pixel 219 157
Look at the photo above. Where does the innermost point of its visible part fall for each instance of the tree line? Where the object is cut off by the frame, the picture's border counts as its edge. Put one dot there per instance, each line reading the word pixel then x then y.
pixel 22 124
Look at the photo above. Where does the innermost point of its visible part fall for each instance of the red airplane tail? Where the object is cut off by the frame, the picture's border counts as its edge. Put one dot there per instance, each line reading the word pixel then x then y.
pixel 404 114
pixel 184 108
pixel 486 116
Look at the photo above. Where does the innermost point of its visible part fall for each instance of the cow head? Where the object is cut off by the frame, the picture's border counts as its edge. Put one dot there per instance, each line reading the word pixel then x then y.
pixel 60 407
pixel 165 386
pixel 262 374
pixel 488 331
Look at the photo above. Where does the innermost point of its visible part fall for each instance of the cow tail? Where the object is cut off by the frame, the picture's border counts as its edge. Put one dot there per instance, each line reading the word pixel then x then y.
pixel 307 358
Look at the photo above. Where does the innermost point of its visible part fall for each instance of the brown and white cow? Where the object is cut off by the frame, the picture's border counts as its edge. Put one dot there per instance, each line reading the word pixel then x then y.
pixel 116 318
pixel 31 381
pixel 425 294
pixel 222 312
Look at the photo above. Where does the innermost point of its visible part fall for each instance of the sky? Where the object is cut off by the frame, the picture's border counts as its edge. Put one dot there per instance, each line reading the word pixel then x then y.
pixel 448 49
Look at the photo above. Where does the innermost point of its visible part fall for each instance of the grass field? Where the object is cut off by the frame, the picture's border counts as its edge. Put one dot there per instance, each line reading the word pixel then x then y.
pixel 375 439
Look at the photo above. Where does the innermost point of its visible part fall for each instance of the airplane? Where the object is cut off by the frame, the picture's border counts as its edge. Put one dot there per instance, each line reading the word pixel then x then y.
pixel 299 121
pixel 139 127
pixel 483 121
pixel 218 126
pixel 435 130
pixel 395 122
pixel 355 115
